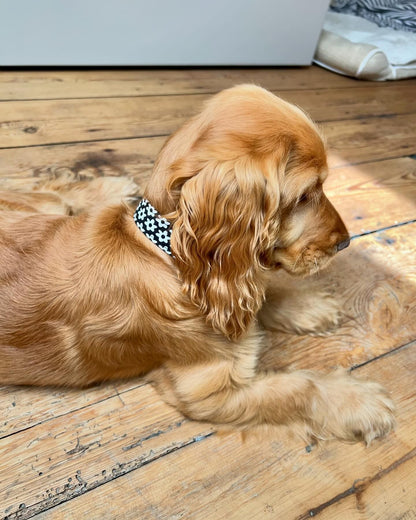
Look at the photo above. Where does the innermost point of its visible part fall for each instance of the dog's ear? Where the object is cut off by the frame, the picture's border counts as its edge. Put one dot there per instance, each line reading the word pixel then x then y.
pixel 225 227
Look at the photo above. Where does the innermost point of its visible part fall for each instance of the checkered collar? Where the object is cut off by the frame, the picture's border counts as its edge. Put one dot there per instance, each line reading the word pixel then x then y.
pixel 156 228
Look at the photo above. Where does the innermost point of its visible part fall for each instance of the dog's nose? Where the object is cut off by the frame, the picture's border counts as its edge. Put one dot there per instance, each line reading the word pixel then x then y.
pixel 343 244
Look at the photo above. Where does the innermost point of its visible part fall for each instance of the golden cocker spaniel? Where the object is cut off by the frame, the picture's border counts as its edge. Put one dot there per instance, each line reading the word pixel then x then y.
pixel 179 290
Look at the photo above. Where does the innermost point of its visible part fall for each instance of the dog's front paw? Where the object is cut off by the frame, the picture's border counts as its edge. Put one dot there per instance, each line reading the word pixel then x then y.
pixel 314 312
pixel 320 313
pixel 354 410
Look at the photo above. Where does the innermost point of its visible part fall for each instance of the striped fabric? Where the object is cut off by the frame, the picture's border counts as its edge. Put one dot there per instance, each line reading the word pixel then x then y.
pixel 397 14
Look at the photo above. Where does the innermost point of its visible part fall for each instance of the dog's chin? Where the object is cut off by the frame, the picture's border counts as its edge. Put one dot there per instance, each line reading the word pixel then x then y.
pixel 301 268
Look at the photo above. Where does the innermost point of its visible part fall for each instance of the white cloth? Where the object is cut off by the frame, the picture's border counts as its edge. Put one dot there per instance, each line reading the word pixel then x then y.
pixel 398 46
pixel 394 52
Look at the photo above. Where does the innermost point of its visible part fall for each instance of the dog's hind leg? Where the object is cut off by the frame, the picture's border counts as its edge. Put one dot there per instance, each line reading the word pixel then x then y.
pixel 70 198
pixel 99 192
pixel 36 202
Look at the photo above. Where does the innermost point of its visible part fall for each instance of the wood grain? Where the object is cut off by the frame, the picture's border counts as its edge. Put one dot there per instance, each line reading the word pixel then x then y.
pixel 374 195
pixel 58 84
pixel 374 498
pixel 223 477
pixel 21 409
pixel 75 120
pixel 133 158
pixel 339 104
pixel 86 448
pixel 29 123
pixel 362 140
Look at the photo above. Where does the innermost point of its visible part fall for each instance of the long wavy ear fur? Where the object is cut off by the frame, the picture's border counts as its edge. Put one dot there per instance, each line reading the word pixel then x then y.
pixel 217 180
pixel 223 232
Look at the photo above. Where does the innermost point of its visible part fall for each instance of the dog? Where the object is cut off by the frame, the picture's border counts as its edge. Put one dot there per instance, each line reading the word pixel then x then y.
pixel 178 289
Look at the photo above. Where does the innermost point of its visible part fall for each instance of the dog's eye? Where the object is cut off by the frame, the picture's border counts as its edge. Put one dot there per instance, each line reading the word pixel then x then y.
pixel 304 197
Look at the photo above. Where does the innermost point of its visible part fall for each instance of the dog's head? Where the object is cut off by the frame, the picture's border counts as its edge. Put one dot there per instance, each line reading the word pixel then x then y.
pixel 242 184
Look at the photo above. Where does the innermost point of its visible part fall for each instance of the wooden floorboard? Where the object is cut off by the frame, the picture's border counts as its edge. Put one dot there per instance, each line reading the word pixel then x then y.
pixel 31 123
pixel 69 84
pixel 21 410
pixel 116 451
pixel 374 195
pixel 222 477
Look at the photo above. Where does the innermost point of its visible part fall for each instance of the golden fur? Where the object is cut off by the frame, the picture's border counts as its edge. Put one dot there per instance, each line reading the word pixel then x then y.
pixel 85 297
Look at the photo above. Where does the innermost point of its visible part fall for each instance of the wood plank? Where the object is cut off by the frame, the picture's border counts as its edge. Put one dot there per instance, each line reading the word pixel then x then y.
pixel 223 477
pixel 96 436
pixel 26 167
pixel 336 104
pixel 28 123
pixel 388 494
pixel 374 195
pixel 51 461
pixel 358 141
pixel 375 284
pixel 59 84
pixel 22 408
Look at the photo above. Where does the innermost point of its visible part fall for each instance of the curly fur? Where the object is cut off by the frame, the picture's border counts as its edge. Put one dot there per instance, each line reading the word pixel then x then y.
pixel 85 297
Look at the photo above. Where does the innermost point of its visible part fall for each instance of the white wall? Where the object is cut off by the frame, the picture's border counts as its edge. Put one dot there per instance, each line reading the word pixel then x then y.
pixel 159 32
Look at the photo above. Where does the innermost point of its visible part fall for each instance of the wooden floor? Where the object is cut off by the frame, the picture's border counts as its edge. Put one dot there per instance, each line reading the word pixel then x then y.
pixel 116 451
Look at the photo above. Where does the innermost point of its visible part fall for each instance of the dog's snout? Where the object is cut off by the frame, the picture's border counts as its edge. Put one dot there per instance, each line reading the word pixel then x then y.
pixel 342 245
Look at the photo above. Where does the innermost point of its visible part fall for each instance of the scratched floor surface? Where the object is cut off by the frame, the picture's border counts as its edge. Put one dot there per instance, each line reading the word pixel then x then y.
pixel 116 451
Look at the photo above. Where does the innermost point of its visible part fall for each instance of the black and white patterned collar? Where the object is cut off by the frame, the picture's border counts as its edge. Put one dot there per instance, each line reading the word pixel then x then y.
pixel 156 228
